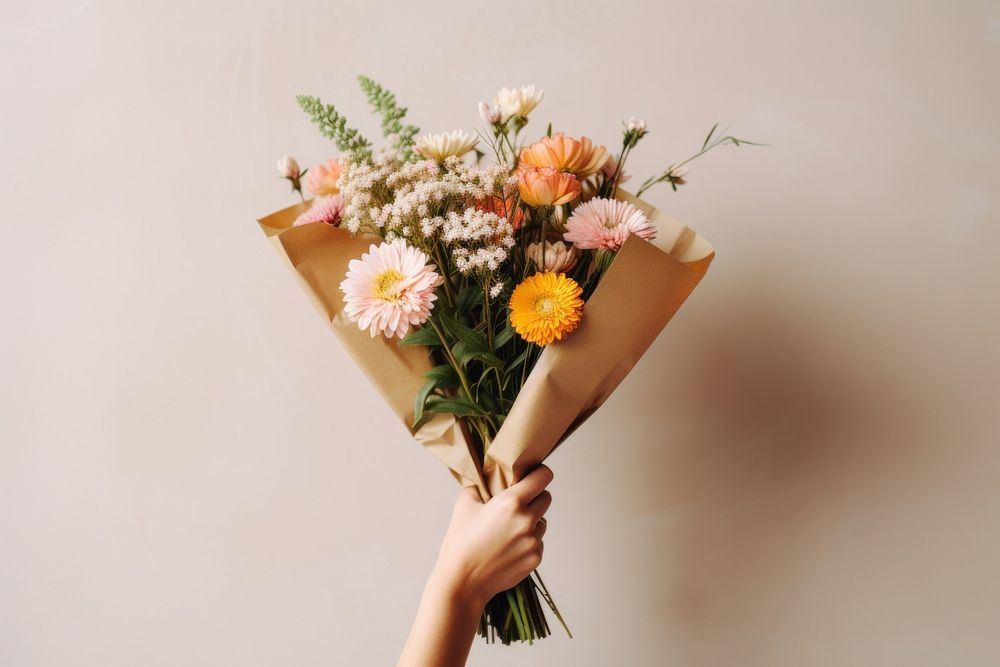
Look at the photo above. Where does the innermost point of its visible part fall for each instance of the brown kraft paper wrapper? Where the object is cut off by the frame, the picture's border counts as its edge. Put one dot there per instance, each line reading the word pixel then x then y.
pixel 646 284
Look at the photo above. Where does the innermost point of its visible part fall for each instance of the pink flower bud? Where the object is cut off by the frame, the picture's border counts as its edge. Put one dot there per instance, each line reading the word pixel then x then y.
pixel 289 168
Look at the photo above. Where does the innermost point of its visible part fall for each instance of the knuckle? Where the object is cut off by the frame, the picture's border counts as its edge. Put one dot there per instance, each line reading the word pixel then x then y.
pixel 507 503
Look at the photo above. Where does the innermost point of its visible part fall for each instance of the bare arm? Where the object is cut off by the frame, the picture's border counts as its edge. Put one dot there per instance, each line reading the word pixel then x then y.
pixel 488 548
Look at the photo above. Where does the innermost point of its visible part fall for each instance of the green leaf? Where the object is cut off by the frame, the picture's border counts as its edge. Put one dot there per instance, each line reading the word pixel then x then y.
pixel 710 133
pixel 444 375
pixel 489 403
pixel 468 298
pixel 518 360
pixel 333 125
pixel 503 337
pixel 424 418
pixel 461 353
pixel 455 406
pixel 420 399
pixel 474 340
pixel 423 336
pixel 488 358
pixel 383 102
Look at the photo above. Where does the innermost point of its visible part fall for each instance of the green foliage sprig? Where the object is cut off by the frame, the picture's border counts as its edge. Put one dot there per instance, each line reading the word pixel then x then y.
pixel 333 125
pixel 383 102
pixel 674 174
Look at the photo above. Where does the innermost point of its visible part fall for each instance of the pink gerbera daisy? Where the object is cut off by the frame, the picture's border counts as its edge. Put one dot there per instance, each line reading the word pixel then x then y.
pixel 606 224
pixel 390 288
pixel 324 209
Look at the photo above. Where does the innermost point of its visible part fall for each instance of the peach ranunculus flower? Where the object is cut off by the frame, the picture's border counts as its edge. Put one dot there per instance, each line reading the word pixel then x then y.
pixel 546 186
pixel 324 177
pixel 504 209
pixel 554 257
pixel 577 156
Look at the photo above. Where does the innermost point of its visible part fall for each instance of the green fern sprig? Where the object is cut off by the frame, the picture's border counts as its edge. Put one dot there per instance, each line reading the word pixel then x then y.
pixel 333 125
pixel 383 102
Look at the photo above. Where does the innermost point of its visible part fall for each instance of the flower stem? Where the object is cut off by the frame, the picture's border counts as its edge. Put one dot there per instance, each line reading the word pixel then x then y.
pixel 443 266
pixel 452 360
pixel 512 601
pixel 552 605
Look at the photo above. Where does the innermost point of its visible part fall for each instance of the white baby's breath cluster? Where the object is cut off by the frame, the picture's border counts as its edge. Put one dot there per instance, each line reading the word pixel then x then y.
pixel 428 202
pixel 479 240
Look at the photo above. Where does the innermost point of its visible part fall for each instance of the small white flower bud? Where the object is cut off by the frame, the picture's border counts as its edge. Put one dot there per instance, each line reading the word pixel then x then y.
pixel 489 114
pixel 289 168
pixel 636 125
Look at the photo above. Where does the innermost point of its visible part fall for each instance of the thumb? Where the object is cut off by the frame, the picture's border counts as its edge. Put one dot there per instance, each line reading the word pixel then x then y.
pixel 470 494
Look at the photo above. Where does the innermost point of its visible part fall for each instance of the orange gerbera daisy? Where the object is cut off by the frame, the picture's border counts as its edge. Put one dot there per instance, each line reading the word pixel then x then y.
pixel 577 156
pixel 546 307
pixel 546 186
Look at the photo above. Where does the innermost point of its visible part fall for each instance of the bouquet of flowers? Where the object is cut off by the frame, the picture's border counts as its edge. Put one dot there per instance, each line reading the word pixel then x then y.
pixel 495 304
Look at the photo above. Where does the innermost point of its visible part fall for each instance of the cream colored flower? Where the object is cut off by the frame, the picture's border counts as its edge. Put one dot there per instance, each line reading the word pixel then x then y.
pixel 559 257
pixel 517 101
pixel 439 146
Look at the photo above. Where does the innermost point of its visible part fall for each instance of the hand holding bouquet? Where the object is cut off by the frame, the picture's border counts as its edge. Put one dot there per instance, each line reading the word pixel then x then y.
pixel 494 303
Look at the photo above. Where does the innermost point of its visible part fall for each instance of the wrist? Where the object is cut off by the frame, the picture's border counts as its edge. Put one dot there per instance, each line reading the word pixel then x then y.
pixel 456 587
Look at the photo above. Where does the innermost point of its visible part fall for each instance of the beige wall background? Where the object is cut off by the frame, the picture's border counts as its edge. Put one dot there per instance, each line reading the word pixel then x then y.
pixel 803 470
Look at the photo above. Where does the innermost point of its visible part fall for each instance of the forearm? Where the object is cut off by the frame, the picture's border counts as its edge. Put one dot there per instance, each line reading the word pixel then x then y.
pixel 445 624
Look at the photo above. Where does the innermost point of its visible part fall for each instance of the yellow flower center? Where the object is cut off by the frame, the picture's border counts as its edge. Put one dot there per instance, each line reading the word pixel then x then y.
pixel 387 285
pixel 544 305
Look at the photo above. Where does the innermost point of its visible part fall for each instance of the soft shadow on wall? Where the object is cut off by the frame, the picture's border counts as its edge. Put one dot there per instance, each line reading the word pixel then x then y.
pixel 770 435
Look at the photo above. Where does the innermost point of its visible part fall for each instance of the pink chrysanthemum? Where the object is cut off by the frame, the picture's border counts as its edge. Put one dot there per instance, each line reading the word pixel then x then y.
pixel 390 288
pixel 324 209
pixel 606 224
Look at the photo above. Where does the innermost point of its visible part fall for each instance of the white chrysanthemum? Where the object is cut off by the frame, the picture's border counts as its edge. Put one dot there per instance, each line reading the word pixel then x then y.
pixel 606 224
pixel 559 257
pixel 440 146
pixel 390 289
pixel 517 101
